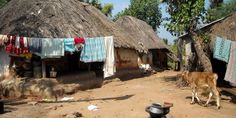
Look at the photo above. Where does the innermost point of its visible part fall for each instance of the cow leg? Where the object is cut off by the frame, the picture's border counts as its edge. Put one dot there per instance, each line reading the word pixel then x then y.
pixel 217 94
pixel 198 100
pixel 193 96
pixel 209 98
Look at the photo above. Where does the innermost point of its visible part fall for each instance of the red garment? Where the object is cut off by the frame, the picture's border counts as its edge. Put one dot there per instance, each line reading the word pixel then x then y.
pixel 79 40
pixel 21 42
pixel 8 40
pixel 11 48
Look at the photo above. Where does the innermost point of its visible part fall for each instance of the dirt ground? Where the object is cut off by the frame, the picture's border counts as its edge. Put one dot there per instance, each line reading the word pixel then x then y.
pixel 127 99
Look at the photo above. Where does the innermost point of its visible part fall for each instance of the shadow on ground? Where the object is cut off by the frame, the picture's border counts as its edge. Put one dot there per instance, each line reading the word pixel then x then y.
pixel 229 94
pixel 125 97
pixel 109 98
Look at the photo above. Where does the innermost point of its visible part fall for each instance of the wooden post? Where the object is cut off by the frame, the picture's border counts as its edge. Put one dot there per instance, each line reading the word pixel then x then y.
pixel 44 68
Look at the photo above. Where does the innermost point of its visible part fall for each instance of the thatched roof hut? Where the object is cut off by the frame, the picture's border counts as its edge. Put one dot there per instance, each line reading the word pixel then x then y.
pixel 141 32
pixel 66 18
pixel 225 28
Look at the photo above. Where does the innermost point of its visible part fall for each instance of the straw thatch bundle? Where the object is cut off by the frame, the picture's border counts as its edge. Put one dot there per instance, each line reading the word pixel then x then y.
pixel 225 28
pixel 141 32
pixel 59 19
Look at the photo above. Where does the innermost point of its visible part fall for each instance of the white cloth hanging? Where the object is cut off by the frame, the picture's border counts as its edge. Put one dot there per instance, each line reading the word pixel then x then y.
pixel 109 64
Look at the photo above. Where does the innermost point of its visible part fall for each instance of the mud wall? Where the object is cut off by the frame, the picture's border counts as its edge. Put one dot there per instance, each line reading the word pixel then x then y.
pixel 126 58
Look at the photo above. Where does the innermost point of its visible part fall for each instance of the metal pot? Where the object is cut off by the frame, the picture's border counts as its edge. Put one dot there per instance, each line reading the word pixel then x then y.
pixel 158 111
pixel 154 111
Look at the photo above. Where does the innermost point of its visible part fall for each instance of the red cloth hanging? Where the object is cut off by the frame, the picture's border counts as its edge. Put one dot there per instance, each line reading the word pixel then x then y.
pixel 79 40
pixel 11 47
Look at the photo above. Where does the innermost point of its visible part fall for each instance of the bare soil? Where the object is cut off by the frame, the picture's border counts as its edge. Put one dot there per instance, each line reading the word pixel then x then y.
pixel 128 99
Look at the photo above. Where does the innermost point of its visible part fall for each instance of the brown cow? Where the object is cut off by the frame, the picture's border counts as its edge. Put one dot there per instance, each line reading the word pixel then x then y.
pixel 205 81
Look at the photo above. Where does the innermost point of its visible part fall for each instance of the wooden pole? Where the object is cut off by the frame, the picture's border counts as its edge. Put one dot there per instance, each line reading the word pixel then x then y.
pixel 44 68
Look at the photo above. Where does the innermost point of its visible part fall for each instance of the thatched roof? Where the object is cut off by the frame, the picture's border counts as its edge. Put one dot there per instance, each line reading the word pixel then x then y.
pixel 141 32
pixel 59 19
pixel 226 28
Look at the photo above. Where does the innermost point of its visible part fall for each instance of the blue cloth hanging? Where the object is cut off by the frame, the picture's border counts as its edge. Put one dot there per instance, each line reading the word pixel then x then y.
pixel 69 45
pixel 222 49
pixel 93 50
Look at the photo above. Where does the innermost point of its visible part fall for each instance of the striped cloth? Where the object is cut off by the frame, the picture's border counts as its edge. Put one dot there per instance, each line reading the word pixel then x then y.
pixel 221 50
pixel 93 50
pixel 230 74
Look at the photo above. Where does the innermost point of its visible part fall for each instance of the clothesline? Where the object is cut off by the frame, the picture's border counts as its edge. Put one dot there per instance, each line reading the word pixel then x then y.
pixel 225 50
pixel 97 49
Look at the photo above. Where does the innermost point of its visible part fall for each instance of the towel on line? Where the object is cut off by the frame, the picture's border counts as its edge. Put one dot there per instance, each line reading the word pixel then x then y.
pixel 52 48
pixel 230 74
pixel 221 50
pixel 35 44
pixel 93 50
pixel 69 45
pixel 109 65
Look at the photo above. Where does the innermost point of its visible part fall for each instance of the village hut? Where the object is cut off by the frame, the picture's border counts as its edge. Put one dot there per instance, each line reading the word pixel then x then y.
pixel 147 39
pixel 224 27
pixel 61 19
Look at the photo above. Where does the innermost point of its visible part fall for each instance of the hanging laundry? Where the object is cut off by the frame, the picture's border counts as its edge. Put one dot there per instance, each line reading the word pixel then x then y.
pixel 35 44
pixel 52 48
pixel 222 48
pixel 25 42
pixel 3 39
pixel 109 65
pixel 79 40
pixel 69 45
pixel 79 43
pixel 17 43
pixel 10 48
pixel 230 74
pixel 20 46
pixel 93 50
pixel 24 45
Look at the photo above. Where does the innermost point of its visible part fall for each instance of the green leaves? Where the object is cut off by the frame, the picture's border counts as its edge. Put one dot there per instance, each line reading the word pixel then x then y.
pixel 107 9
pixel 221 10
pixel 3 2
pixel 185 14
pixel 146 10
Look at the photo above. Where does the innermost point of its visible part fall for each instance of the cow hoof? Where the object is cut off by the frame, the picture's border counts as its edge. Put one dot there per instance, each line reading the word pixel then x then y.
pixel 205 105
pixel 218 107
pixel 192 102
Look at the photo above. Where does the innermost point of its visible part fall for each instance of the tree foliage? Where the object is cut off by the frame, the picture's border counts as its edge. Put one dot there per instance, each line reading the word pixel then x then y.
pixel 146 10
pixel 3 2
pixel 215 3
pixel 221 11
pixel 106 9
pixel 184 15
